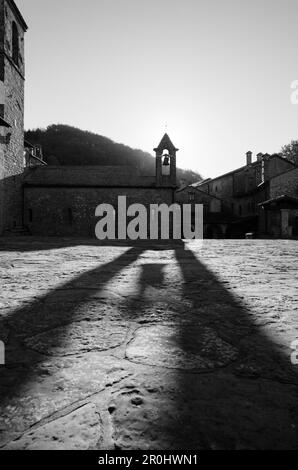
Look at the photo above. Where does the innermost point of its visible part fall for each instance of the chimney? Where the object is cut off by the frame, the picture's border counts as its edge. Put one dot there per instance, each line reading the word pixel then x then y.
pixel 248 158
pixel 259 157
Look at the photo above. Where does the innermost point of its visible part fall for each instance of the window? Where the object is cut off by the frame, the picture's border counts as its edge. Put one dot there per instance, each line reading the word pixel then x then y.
pixel 15 43
pixel 30 215
pixel 240 209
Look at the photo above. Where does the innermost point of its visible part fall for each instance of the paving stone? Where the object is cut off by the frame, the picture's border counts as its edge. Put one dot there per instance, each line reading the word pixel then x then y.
pixel 174 411
pixel 32 395
pixel 79 337
pixel 165 346
pixel 175 346
pixel 79 430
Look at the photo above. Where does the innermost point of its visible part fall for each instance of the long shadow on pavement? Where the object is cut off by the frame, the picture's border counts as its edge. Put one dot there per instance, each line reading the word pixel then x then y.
pixel 230 386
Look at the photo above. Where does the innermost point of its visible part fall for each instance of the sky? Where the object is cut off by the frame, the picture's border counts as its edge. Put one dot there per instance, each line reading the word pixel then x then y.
pixel 215 74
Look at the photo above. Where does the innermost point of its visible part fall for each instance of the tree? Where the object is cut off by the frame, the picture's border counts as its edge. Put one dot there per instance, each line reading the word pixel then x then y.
pixel 290 151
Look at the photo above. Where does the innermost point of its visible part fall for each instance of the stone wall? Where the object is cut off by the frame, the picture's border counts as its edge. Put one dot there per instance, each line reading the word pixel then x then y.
pixel 14 149
pixel 287 183
pixel 275 166
pixel 275 227
pixel 2 194
pixel 12 110
pixel 220 187
pixel 190 195
pixel 69 211
pixel 87 176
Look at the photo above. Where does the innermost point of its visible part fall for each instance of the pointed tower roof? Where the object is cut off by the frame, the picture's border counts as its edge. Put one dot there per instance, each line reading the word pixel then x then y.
pixel 18 14
pixel 166 144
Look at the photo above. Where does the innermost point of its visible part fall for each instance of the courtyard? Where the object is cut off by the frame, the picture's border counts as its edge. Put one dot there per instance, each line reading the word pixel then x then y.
pixel 168 345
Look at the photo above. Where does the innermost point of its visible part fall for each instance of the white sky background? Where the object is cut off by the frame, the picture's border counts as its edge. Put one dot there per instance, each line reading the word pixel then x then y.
pixel 218 72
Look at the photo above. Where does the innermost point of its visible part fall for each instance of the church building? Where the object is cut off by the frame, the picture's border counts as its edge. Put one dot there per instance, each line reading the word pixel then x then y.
pixel 59 200
pixel 36 199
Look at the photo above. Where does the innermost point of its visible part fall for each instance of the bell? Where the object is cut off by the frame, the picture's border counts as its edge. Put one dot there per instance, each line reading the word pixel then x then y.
pixel 166 161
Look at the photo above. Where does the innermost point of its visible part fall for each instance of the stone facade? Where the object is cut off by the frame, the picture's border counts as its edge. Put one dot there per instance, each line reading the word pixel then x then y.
pixel 68 211
pixel 241 192
pixel 240 189
pixel 216 214
pixel 192 195
pixel 286 183
pixel 12 72
pixel 279 213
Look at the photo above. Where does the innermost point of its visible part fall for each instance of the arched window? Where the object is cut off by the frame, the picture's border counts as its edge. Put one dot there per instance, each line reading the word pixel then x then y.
pixel 15 43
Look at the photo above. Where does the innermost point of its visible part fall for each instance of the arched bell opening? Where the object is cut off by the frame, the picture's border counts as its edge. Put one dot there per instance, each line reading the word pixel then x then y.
pixel 166 163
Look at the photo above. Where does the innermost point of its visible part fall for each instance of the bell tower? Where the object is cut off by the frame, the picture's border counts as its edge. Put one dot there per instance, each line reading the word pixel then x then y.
pixel 166 162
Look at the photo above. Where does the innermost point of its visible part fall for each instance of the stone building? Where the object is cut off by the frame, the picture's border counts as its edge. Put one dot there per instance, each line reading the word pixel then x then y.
pixel 61 200
pixel 12 76
pixel 259 197
pixel 216 215
pixel 49 200
pixel 240 191
pixel 279 213
pixel 32 155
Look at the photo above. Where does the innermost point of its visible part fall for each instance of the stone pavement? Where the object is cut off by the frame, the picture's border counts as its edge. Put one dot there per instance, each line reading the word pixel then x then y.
pixel 166 346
